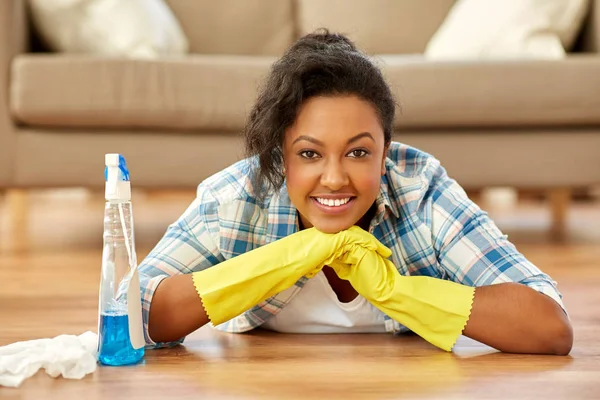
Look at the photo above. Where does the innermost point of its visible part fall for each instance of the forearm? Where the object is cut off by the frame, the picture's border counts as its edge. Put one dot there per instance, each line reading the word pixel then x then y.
pixel 517 319
pixel 176 309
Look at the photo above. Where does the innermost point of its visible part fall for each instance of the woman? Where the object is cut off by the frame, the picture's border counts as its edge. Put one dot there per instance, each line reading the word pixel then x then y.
pixel 321 160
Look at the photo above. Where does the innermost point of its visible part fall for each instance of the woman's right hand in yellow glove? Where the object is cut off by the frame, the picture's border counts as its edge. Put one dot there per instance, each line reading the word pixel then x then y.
pixel 235 285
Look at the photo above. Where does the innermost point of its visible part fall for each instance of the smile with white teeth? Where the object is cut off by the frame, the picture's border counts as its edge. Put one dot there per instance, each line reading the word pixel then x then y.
pixel 332 202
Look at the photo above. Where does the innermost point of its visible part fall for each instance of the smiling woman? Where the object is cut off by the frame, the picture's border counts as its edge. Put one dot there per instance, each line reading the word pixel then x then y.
pixel 329 226
pixel 334 157
pixel 333 174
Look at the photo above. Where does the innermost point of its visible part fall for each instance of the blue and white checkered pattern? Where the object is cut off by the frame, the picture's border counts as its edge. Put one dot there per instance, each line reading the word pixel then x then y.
pixel 423 216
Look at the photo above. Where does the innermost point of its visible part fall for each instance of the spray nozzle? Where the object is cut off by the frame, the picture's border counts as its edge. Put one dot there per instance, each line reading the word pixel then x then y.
pixel 116 176
pixel 116 161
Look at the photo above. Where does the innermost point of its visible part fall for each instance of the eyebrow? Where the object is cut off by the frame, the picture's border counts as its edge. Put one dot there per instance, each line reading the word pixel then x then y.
pixel 318 142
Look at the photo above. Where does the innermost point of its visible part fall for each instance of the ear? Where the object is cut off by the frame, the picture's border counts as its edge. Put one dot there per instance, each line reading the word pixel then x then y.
pixel 385 150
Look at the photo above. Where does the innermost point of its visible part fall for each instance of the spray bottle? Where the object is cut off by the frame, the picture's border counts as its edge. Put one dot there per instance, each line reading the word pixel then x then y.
pixel 120 335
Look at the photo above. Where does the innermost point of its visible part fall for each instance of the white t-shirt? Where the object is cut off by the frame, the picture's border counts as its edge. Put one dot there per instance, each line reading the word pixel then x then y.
pixel 316 309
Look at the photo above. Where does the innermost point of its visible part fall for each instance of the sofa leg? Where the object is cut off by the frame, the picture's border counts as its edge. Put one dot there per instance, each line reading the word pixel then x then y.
pixel 560 199
pixel 16 236
pixel 4 219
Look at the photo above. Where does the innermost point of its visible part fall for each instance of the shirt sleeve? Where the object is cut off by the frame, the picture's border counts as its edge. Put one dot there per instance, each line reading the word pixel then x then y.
pixel 186 247
pixel 471 249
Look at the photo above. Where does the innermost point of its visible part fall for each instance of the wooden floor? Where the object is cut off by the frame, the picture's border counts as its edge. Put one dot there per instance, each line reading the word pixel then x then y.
pixel 49 272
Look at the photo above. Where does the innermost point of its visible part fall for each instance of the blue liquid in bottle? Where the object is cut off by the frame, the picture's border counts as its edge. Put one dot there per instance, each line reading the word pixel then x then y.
pixel 115 346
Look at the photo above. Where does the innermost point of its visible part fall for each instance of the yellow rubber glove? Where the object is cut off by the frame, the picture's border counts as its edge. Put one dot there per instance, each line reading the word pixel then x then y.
pixel 435 309
pixel 234 286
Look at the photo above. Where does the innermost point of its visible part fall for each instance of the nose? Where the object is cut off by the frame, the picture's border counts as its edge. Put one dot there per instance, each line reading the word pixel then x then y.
pixel 334 176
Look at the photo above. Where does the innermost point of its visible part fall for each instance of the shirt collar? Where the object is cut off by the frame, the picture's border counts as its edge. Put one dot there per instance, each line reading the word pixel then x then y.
pixel 282 217
pixel 384 203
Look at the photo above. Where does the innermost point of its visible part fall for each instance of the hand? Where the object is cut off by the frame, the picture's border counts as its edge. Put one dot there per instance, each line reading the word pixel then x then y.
pixel 332 246
pixel 367 271
pixel 435 309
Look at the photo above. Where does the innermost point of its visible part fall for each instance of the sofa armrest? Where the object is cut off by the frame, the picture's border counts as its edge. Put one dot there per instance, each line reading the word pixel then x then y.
pixel 590 34
pixel 13 40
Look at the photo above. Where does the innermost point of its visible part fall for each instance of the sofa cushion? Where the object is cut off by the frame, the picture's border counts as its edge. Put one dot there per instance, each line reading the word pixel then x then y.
pixel 217 92
pixel 200 92
pixel 494 93
pixel 377 26
pixel 259 27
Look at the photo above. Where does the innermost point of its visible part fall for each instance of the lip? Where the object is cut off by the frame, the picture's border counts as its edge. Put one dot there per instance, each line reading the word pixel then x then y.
pixel 333 209
pixel 337 196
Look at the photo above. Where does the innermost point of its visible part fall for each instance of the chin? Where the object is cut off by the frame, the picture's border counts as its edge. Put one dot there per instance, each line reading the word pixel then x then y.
pixel 332 227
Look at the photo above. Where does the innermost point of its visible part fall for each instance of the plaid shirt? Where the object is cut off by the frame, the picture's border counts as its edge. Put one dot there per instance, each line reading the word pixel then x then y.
pixel 423 216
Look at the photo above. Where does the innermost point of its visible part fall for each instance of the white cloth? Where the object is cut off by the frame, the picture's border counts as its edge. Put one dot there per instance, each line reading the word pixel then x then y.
pixel 71 356
pixel 495 29
pixel 316 309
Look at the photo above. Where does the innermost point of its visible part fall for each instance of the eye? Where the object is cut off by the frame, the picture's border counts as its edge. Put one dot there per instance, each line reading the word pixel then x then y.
pixel 358 153
pixel 308 154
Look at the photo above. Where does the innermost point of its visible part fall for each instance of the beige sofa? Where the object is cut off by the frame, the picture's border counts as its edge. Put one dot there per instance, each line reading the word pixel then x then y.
pixel 529 124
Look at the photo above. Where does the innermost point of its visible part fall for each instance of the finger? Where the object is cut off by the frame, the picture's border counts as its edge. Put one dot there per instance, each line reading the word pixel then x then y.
pixel 384 251
pixel 372 243
pixel 380 248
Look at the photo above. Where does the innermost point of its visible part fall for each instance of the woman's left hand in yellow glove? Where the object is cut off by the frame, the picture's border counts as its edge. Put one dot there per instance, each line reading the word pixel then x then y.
pixel 235 285
pixel 435 309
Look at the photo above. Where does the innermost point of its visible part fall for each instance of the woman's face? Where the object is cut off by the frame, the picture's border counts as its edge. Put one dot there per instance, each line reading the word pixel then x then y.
pixel 334 157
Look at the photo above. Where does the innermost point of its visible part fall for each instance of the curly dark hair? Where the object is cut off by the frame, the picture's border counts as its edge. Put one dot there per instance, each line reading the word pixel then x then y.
pixel 318 64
